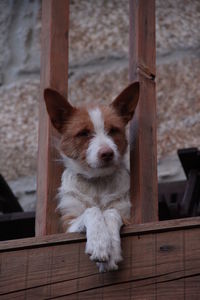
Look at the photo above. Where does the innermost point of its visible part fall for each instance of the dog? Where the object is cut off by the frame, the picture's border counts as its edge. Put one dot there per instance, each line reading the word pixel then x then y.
pixel 94 192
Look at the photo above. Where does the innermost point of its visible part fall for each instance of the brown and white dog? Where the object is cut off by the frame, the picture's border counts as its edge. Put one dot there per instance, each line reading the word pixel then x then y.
pixel 94 193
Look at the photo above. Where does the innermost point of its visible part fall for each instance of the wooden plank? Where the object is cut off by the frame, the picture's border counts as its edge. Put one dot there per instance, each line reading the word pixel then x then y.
pixel 54 73
pixel 63 238
pixel 143 256
pixel 192 262
pixel 173 290
pixel 143 154
pixel 51 273
pixel 192 290
pixel 170 265
pixel 143 266
pixel 118 292
pixel 169 253
pixel 39 267
pixel 57 270
pixel 89 295
pixel 13 270
pixel 65 266
pixel 63 288
pixel 15 296
pixel 70 297
pixel 144 290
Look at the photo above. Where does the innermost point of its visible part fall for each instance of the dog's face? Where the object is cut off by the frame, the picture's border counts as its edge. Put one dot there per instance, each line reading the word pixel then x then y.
pixel 93 138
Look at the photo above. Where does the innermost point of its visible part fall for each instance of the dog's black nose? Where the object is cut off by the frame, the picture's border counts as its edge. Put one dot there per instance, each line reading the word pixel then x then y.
pixel 106 154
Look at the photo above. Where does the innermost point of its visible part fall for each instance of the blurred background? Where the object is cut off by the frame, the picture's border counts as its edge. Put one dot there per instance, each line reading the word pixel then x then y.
pixel 98 71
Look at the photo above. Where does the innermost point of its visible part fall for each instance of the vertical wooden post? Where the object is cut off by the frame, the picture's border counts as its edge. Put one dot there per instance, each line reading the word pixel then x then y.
pixel 54 73
pixel 143 154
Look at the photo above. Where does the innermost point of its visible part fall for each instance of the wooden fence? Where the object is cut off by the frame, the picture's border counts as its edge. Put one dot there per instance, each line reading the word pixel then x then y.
pixel 161 261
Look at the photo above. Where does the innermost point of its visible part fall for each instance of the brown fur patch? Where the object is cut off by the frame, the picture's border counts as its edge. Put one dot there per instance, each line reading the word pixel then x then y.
pixel 65 222
pixel 72 144
pixel 126 221
pixel 112 120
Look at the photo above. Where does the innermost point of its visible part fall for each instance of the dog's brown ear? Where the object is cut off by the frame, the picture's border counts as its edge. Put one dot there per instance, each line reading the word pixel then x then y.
pixel 125 104
pixel 58 108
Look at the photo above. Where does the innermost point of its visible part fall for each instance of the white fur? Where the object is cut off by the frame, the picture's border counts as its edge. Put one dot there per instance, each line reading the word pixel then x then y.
pixel 97 119
pixel 98 239
pixel 100 140
pixel 98 198
pixel 113 222
pixel 86 171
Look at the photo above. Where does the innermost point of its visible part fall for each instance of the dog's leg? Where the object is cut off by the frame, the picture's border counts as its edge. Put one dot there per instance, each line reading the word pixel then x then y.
pixel 98 239
pixel 98 244
pixel 114 222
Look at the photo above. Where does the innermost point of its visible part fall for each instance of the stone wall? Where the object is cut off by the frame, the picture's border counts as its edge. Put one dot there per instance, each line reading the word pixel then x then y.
pixel 20 24
pixel 98 71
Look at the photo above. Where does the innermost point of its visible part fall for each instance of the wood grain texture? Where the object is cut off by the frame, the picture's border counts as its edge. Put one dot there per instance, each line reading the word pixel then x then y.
pixel 13 271
pixel 170 261
pixel 143 266
pixel 54 73
pixel 192 252
pixel 68 238
pixel 157 265
pixel 143 153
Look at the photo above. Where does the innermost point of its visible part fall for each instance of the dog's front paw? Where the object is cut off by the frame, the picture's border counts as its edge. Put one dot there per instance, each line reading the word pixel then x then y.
pixel 116 255
pixel 98 252
pixel 114 259
pixel 110 265
pixel 102 267
pixel 99 247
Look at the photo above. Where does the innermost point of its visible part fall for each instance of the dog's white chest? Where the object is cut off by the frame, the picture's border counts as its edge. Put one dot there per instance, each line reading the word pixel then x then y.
pixel 78 193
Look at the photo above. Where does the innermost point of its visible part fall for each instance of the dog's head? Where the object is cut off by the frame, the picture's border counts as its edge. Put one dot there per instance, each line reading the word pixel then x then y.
pixel 93 138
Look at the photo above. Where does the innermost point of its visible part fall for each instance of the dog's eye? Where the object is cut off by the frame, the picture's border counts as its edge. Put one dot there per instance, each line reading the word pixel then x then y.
pixel 83 133
pixel 114 130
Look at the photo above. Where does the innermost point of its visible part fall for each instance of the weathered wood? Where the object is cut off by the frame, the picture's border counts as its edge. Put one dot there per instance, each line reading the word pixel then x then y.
pixel 63 238
pixel 192 252
pixel 170 261
pixel 143 152
pixel 143 265
pixel 156 264
pixel 54 73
